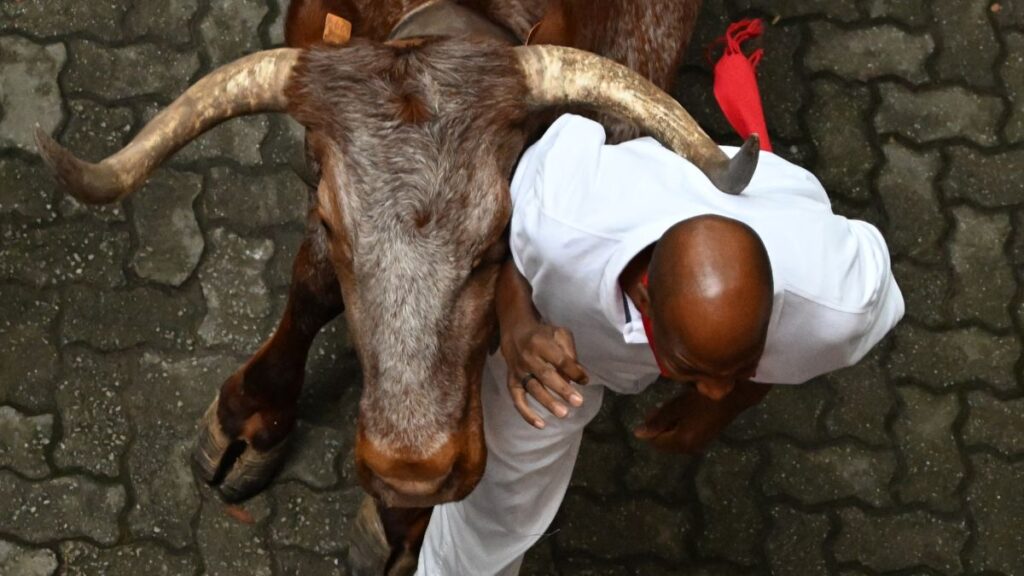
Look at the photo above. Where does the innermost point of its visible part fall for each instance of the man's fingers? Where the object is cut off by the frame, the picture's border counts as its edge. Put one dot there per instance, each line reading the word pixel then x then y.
pixel 542 395
pixel 555 382
pixel 522 406
pixel 568 364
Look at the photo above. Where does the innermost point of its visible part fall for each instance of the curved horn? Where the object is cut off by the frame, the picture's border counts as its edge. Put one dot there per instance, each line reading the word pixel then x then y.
pixel 248 85
pixel 558 76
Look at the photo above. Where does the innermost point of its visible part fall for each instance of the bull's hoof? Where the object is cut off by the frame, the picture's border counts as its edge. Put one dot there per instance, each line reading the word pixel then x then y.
pixel 368 550
pixel 236 468
pixel 369 553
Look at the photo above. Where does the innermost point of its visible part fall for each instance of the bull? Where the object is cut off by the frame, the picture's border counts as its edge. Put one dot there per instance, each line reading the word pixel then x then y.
pixel 413 132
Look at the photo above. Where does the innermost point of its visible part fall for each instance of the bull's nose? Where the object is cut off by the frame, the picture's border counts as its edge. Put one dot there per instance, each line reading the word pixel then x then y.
pixel 406 475
pixel 415 487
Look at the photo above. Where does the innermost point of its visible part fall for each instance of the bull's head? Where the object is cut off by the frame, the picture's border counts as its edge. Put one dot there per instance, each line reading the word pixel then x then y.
pixel 415 143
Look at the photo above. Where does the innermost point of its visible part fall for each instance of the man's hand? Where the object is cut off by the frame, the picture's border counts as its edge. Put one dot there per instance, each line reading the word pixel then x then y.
pixel 690 421
pixel 542 363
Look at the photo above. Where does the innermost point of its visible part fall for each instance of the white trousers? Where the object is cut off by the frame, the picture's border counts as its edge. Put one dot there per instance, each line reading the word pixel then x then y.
pixel 527 474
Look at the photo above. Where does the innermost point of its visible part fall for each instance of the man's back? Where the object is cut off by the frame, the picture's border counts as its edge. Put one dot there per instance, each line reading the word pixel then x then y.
pixel 583 210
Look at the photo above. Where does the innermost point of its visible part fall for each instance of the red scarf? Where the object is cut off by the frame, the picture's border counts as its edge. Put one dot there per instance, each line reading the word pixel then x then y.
pixel 736 81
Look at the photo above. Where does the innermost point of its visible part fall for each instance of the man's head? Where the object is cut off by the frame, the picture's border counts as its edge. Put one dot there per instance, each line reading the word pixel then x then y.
pixel 710 299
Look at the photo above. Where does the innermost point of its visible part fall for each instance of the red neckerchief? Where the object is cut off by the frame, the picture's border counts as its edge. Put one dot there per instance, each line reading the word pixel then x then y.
pixel 649 330
pixel 736 81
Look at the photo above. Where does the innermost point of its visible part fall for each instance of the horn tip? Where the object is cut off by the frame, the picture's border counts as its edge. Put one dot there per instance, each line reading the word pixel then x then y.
pixel 70 172
pixel 741 167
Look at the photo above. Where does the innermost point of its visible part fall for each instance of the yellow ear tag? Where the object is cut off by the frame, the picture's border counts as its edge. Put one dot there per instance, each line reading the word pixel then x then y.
pixel 337 30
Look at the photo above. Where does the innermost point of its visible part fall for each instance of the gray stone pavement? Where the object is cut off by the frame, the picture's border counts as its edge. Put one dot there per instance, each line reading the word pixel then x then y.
pixel 118 324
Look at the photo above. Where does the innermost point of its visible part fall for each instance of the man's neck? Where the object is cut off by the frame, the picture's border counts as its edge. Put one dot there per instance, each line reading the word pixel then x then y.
pixel 632 275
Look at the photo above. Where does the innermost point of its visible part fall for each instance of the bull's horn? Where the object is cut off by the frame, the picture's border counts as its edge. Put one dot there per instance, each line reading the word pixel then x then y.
pixel 558 76
pixel 249 85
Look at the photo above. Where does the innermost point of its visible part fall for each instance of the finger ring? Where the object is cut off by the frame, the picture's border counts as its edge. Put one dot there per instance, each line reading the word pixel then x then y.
pixel 526 379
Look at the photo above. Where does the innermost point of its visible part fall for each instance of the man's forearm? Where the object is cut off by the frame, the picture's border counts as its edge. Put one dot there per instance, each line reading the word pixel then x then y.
pixel 514 300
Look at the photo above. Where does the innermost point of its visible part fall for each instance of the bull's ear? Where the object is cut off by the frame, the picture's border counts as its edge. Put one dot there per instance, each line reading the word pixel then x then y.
pixel 552 29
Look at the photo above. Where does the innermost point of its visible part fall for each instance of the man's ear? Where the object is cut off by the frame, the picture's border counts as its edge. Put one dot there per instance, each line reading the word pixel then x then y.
pixel 643 301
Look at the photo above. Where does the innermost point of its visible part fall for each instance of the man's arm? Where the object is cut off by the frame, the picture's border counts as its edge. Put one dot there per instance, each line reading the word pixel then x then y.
pixel 541 358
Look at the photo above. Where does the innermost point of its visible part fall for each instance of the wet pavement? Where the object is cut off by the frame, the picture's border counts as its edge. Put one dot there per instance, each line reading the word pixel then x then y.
pixel 117 325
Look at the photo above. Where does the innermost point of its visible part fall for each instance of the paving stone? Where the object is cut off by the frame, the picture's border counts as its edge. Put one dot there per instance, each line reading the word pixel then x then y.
pixel 991 180
pixel 581 565
pixel 238 139
pixel 868 53
pixel 29 90
pixel 938 113
pixel 276 29
pixel 924 435
pixel 22 561
pixel 776 77
pixel 315 521
pixel 28 189
pixel 28 352
pixel 59 17
pixel 894 542
pixel 733 526
pixel 284 145
pixel 844 470
pixel 79 251
pixel 845 10
pixel 133 70
pixel 286 246
pixel 907 186
pixel 296 562
pixel 232 547
pixel 910 12
pixel 1012 73
pixel 944 359
pixel 23 440
pixel 1010 14
pixel 120 319
pixel 862 402
pixel 95 132
pixel 169 239
pixel 925 292
pixel 645 468
pixel 314 451
pixel 969 44
pixel 983 279
pixel 228 29
pixel 166 20
pixel 71 209
pixel 838 126
pixel 796 544
pixel 614 530
pixel 237 298
pixel 996 503
pixel 250 202
pixel 66 507
pixel 94 426
pixel 598 467
pixel 83 559
pixel 787 410
pixel 164 403
pixel 994 423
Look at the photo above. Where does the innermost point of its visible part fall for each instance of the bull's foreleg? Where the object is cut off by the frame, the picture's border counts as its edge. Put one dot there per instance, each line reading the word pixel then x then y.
pixel 242 440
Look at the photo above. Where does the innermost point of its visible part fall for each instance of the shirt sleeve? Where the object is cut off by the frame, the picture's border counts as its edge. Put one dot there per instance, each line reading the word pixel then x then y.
pixel 552 170
pixel 840 313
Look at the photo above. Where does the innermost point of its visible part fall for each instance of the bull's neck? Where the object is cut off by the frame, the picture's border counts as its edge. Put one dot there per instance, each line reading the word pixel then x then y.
pixel 448 18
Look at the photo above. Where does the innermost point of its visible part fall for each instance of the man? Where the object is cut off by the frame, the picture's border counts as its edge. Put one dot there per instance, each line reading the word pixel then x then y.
pixel 654 271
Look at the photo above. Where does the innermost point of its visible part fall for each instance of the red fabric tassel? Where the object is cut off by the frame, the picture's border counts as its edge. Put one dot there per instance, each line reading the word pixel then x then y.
pixel 736 82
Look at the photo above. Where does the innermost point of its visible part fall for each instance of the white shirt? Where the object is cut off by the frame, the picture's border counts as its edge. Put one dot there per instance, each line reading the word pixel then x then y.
pixel 582 210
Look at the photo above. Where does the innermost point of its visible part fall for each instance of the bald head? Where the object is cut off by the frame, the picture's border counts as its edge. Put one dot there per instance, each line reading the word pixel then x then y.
pixel 710 289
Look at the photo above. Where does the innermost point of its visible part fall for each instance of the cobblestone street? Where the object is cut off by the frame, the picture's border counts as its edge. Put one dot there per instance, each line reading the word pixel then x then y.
pixel 118 325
